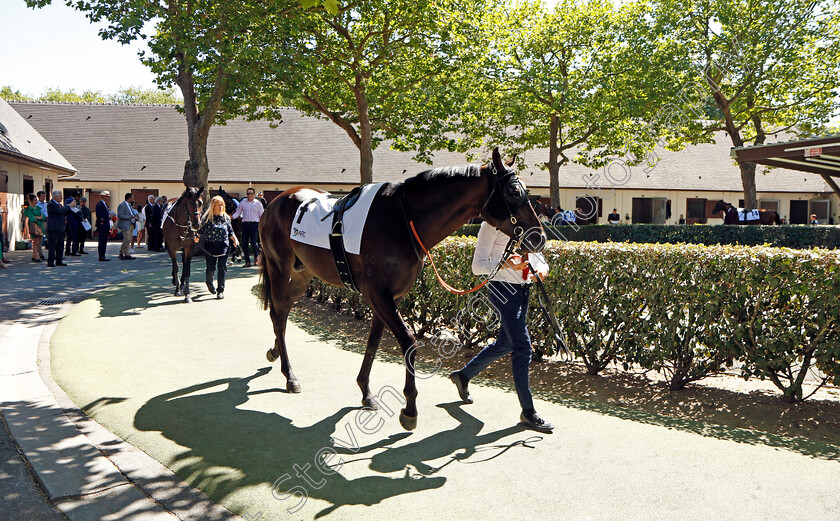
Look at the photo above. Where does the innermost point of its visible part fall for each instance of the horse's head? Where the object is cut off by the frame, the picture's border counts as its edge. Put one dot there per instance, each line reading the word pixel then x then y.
pixel 541 208
pixel 230 206
pixel 719 207
pixel 509 209
pixel 191 200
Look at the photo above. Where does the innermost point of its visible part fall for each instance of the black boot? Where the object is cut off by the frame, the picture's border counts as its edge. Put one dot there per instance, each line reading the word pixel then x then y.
pixel 532 420
pixel 461 384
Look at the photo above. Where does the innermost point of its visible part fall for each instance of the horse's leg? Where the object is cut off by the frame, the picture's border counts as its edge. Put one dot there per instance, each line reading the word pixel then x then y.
pixel 376 328
pixel 175 282
pixel 186 258
pixel 385 306
pixel 284 292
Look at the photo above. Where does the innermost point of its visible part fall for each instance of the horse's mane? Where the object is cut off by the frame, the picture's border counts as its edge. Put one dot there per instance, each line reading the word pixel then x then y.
pixel 435 176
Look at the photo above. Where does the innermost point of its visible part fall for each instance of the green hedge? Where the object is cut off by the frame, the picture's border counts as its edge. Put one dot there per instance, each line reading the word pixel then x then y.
pixel 779 236
pixel 685 311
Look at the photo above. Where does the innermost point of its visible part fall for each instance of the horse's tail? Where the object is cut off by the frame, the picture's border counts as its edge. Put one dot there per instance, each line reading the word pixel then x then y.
pixel 265 283
pixel 777 219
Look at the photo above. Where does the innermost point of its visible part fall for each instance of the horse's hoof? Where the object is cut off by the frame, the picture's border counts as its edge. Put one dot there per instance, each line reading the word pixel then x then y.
pixel 293 386
pixel 270 356
pixel 408 423
pixel 369 404
pixel 187 299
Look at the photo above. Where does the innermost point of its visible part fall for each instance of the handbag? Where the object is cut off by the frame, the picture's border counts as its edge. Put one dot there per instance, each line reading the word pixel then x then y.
pixel 35 230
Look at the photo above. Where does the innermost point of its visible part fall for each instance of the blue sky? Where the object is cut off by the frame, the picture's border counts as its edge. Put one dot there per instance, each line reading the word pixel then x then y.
pixel 58 47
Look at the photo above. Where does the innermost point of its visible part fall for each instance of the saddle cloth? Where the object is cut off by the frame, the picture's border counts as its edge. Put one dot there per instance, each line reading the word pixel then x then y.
pixel 752 215
pixel 165 214
pixel 314 226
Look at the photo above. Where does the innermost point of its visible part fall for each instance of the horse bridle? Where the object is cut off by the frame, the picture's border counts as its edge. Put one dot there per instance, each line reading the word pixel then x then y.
pixel 514 195
pixel 189 228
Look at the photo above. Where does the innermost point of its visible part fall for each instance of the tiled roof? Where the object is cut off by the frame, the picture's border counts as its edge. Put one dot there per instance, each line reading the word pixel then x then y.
pixel 149 143
pixel 19 139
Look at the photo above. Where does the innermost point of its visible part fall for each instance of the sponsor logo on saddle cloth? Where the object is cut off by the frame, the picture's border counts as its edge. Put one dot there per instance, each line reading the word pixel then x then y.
pixel 314 225
pixel 744 215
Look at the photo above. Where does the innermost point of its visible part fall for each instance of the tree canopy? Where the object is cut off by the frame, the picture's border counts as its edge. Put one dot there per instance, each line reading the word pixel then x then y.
pixel 374 69
pixel 124 95
pixel 755 68
pixel 574 80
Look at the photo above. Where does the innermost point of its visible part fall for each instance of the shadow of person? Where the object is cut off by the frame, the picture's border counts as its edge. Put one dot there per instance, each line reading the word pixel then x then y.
pixel 228 448
pixel 464 437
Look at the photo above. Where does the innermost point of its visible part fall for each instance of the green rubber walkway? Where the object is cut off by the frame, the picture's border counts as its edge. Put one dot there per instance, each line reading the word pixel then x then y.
pixel 189 385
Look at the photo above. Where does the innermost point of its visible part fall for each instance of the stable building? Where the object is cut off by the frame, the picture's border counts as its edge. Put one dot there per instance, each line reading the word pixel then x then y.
pixel 28 163
pixel 142 149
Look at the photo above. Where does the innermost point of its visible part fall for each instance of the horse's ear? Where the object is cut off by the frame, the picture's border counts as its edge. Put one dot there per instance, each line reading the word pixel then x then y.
pixel 512 161
pixel 497 160
pixel 200 190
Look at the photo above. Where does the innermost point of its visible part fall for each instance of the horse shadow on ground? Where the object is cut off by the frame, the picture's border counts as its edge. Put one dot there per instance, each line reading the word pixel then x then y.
pixel 132 297
pixel 267 448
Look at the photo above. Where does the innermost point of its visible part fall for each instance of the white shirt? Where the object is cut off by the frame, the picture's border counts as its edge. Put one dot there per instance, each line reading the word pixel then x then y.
pixel 250 211
pixel 489 248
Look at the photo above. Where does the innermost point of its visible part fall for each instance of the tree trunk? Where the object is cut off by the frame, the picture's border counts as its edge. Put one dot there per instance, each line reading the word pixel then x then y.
pixel 196 169
pixel 553 163
pixel 748 179
pixel 365 138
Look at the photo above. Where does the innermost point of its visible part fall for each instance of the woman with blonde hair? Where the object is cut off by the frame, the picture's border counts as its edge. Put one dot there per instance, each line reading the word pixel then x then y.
pixel 218 235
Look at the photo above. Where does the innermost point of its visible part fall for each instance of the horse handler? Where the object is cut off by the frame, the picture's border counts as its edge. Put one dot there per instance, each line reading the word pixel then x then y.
pixel 509 290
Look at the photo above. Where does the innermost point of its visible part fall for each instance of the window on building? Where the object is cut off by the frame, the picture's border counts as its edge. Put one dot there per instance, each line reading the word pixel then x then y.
pixel 769 204
pixel 695 210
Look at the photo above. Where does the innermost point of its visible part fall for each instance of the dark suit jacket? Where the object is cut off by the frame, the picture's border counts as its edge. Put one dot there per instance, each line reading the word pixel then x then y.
pixel 56 216
pixel 103 215
pixel 74 219
pixel 84 213
pixel 157 215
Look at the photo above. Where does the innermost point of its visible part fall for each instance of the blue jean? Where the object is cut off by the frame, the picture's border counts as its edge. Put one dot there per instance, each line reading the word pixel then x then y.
pixel 511 303
pixel 250 234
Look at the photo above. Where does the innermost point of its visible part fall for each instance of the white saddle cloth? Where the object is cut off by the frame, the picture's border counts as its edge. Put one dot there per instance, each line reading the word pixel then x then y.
pixel 752 215
pixel 311 229
pixel 165 214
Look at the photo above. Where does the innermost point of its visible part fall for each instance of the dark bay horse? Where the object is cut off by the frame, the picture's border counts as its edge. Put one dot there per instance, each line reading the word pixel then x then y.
pixel 179 229
pixel 541 208
pixel 438 202
pixel 730 215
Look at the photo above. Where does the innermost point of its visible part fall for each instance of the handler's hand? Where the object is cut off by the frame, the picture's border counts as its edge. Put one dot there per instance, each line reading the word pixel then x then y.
pixel 514 262
pixel 195 239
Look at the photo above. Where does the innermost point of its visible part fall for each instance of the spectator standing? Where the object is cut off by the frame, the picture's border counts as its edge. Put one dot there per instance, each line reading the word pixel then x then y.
pixel 103 223
pixel 125 224
pixel 148 211
pixel 84 212
pixel 682 219
pixel 74 222
pixel 250 210
pixel 56 224
pixel 157 221
pixel 2 236
pixel 262 200
pixel 140 227
pixel 36 223
pixel 218 235
pixel 42 204
pixel 614 218
pixel 814 219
